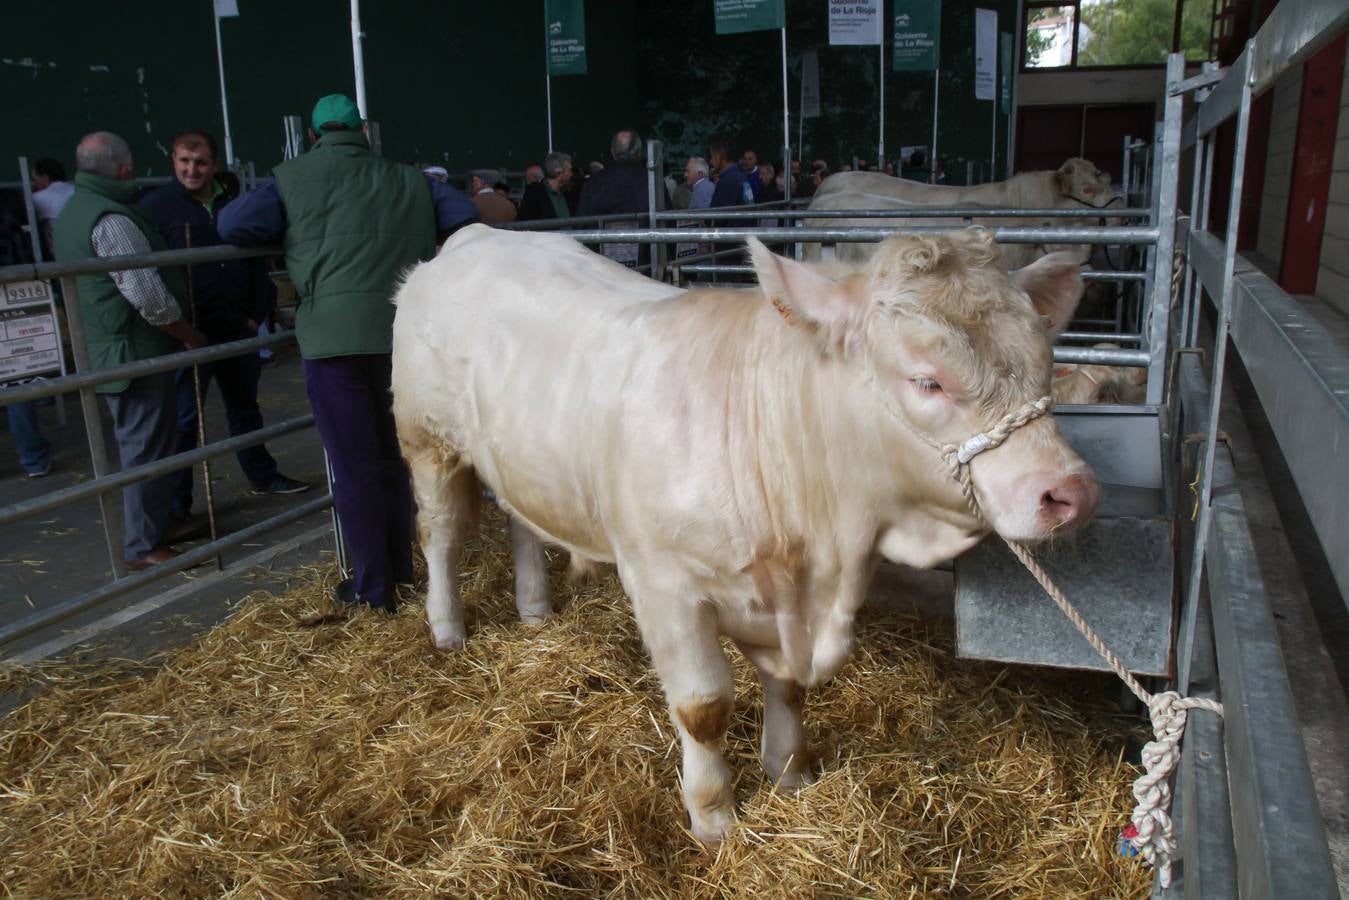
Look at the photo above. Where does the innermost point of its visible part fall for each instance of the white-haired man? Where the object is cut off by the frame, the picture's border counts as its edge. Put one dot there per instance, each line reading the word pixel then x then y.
pixel 696 172
pixel 128 316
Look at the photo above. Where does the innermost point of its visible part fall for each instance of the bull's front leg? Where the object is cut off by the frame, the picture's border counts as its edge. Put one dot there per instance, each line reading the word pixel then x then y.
pixel 680 632
pixel 786 758
pixel 531 574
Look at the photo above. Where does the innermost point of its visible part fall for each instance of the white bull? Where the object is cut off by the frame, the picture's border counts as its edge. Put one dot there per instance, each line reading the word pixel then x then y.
pixel 742 456
pixel 1077 184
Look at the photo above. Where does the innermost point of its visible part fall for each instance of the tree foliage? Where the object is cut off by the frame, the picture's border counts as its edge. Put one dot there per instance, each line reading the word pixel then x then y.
pixel 1138 32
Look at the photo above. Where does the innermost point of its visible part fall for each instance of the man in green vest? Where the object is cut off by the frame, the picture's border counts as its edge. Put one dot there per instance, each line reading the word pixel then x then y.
pixel 351 224
pixel 128 316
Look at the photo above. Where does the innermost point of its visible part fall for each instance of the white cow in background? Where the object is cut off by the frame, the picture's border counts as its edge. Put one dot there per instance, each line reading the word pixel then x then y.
pixel 742 456
pixel 1077 184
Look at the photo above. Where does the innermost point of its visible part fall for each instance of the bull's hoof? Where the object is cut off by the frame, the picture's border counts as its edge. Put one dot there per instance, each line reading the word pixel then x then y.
pixel 712 827
pixel 448 642
pixel 796 780
pixel 534 616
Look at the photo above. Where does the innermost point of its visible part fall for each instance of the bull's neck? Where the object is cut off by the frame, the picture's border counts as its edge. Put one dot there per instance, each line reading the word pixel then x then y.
pixel 822 427
pixel 1029 190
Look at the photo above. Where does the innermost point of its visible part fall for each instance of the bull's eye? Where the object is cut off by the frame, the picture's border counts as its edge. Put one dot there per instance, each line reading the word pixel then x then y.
pixel 926 385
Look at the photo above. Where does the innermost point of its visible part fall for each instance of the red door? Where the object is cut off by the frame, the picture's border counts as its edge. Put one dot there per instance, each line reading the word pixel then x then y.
pixel 1318 116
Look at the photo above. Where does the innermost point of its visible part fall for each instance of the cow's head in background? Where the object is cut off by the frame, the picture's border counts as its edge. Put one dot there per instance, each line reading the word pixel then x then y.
pixel 1080 180
pixel 948 343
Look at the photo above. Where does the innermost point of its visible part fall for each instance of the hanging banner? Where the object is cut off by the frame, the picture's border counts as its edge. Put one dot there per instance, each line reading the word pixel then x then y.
pixel 854 23
pixel 810 84
pixel 1005 56
pixel 917 35
pixel 739 16
pixel 985 53
pixel 566 37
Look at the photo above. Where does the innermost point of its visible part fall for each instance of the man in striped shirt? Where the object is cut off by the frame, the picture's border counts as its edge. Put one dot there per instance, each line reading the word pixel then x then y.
pixel 128 316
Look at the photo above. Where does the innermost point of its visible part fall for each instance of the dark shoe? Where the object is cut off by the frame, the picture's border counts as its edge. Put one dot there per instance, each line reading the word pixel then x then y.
pixel 153 558
pixel 185 528
pixel 42 472
pixel 281 485
pixel 345 592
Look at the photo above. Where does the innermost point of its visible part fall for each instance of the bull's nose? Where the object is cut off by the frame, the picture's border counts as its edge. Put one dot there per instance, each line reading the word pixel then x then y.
pixel 1071 501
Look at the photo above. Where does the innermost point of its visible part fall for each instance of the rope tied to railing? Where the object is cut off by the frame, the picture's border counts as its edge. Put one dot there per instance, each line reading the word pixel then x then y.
pixel 1168 710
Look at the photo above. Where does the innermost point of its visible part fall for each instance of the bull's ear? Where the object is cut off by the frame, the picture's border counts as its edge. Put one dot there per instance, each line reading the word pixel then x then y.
pixel 1063 178
pixel 1054 284
pixel 799 292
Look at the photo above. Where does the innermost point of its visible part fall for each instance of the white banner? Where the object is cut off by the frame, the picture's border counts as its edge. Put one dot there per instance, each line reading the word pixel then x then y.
pixel 226 8
pixel 985 53
pixel 854 23
pixel 810 84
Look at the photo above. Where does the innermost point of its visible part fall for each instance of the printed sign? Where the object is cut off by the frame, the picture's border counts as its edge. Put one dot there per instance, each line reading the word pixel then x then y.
pixel 985 53
pixel 29 342
pixel 917 35
pixel 566 36
pixel 854 23
pixel 226 8
pixel 810 84
pixel 739 16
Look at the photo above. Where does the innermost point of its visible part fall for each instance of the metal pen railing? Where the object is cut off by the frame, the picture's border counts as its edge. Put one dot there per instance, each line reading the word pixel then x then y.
pixel 106 481
pixel 1268 839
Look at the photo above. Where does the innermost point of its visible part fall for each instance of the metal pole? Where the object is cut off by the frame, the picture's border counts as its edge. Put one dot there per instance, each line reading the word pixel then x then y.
pixel 880 154
pixel 93 426
pixel 936 94
pixel 224 103
pixel 294 129
pixel 358 56
pixel 547 78
pixel 1210 448
pixel 35 236
pixel 786 122
pixel 34 226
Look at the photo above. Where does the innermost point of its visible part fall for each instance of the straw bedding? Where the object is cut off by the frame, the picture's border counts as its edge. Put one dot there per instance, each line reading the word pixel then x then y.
pixel 295 752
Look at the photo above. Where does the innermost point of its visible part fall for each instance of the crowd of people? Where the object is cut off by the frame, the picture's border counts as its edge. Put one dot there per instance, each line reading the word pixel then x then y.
pixel 350 223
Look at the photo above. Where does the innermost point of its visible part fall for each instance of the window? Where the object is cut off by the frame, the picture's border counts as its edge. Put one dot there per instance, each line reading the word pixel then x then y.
pixel 1114 32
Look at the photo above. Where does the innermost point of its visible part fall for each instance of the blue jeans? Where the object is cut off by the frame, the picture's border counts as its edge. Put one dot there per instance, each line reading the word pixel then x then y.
pixel 34 451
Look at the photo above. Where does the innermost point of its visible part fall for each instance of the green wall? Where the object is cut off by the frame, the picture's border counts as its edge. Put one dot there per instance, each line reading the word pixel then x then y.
pixel 462 83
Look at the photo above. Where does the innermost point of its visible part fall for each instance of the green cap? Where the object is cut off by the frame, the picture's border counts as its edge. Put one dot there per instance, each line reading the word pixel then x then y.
pixel 335 108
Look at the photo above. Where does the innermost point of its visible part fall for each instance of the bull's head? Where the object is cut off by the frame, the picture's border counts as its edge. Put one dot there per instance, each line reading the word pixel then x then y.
pixel 1080 180
pixel 949 345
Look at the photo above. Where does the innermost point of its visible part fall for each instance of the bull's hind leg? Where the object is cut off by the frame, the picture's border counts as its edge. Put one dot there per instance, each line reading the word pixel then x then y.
pixel 681 634
pixel 531 574
pixel 447 494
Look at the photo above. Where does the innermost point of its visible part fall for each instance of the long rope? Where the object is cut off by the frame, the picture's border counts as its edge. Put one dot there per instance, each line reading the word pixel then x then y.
pixel 1167 710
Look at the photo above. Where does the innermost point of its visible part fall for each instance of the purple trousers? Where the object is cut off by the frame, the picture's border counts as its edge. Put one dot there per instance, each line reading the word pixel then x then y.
pixel 353 411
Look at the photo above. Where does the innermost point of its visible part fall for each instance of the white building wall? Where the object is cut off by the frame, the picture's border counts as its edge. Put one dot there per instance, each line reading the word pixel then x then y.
pixel 1332 281
pixel 1279 165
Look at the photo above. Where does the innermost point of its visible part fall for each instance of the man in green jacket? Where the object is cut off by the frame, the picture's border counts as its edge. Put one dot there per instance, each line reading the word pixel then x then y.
pixel 128 316
pixel 351 224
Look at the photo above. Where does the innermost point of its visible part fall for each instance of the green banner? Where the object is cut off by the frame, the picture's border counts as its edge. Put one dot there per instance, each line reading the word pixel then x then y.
pixel 565 32
pixel 738 16
pixel 1006 50
pixel 917 35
